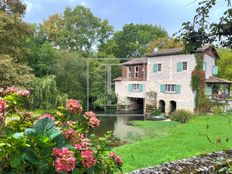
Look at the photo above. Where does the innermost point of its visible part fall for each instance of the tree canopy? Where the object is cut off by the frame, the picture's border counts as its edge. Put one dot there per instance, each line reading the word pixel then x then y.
pixel 164 43
pixel 202 31
pixel 225 63
pixel 133 39
pixel 78 30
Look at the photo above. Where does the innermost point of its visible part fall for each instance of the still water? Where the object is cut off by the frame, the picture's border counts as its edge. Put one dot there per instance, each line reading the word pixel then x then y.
pixel 118 124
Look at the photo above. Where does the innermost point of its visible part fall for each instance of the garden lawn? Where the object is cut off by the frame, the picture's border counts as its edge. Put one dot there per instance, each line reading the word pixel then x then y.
pixel 169 141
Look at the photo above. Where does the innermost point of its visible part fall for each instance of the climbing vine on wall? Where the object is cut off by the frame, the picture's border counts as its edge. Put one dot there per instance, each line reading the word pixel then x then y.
pixel 202 103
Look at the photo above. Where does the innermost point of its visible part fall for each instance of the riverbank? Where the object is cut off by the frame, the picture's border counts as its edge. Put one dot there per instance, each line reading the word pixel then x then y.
pixel 170 141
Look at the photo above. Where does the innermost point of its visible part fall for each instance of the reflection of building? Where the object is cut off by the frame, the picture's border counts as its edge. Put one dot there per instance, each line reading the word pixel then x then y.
pixel 163 79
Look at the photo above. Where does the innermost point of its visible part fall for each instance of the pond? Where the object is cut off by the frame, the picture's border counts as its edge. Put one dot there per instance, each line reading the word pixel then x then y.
pixel 118 124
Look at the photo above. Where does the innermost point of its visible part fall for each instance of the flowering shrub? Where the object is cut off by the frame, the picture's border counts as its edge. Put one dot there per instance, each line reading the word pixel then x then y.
pixel 59 142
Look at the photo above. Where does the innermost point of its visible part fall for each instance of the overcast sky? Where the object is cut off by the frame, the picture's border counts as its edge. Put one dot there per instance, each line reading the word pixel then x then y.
pixel 167 13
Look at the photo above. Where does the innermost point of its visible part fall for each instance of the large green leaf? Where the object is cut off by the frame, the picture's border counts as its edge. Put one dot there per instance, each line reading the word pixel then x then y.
pixel 45 129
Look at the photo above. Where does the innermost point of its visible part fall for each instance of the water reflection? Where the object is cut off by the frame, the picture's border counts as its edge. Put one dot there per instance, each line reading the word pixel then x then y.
pixel 119 125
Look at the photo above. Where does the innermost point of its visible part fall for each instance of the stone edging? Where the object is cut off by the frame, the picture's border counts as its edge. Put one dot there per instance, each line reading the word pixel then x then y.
pixel 203 164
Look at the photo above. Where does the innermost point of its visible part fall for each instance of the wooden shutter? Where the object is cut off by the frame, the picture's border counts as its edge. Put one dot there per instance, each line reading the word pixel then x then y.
pixel 131 87
pixel 140 87
pixel 162 88
pixel 204 66
pixel 179 66
pixel 215 70
pixel 177 89
pixel 209 90
pixel 155 67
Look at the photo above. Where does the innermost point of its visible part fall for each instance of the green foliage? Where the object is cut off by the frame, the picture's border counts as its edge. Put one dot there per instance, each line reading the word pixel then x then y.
pixel 42 56
pixel 78 30
pixel 61 142
pixel 71 75
pixel 45 94
pixel 199 62
pixel 133 39
pixel 163 43
pixel 156 112
pixel 218 110
pixel 14 31
pixel 14 74
pixel 202 103
pixel 181 116
pixel 225 63
pixel 171 142
pixel 201 31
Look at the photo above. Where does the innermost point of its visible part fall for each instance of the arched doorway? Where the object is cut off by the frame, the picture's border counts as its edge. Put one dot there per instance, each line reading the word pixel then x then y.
pixel 162 106
pixel 172 106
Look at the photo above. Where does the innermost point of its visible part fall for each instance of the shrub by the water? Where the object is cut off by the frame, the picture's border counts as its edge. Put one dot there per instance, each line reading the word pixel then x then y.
pixel 181 116
pixel 218 110
pixel 156 112
pixel 59 142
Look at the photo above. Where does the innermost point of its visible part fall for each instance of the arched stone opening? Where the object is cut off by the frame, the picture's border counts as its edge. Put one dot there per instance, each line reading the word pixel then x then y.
pixel 162 105
pixel 172 106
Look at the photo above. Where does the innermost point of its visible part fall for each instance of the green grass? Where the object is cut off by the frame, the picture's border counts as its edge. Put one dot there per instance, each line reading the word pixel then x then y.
pixel 168 141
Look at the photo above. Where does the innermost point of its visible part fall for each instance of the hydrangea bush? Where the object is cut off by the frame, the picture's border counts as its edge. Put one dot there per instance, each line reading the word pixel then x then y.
pixel 59 142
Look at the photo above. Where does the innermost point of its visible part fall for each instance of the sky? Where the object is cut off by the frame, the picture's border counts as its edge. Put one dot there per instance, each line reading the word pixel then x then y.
pixel 169 14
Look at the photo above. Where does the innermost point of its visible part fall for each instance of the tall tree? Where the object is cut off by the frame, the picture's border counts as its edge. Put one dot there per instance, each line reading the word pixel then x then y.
pixel 42 56
pixel 225 63
pixel 201 31
pixel 14 31
pixel 133 39
pixel 77 30
pixel 164 43
pixel 14 74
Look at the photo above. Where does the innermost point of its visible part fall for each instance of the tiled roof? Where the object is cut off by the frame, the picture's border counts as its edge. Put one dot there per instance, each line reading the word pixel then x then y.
pixel 136 61
pixel 217 80
pixel 175 51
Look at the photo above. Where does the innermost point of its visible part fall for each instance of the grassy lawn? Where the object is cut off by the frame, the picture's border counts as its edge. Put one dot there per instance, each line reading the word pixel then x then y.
pixel 168 141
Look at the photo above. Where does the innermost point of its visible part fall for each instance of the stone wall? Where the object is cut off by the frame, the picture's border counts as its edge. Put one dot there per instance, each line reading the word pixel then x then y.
pixel 204 164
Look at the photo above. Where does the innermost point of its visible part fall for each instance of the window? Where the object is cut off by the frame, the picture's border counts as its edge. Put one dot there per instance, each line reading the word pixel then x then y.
pixel 159 67
pixel 170 88
pixel 128 71
pixel 136 70
pixel 181 66
pixel 185 65
pixel 135 87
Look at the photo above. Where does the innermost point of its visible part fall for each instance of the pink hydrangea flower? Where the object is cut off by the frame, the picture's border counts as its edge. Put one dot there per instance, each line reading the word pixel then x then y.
pixel 94 122
pixel 2 106
pixel 89 115
pixel 23 93
pixel 73 106
pixel 88 159
pixel 84 143
pixel 71 135
pixel 64 160
pixel 70 123
pixel 46 116
pixel 117 159
pixel 11 90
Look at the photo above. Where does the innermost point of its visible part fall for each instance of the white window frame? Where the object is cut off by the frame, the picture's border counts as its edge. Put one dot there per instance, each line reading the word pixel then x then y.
pixel 170 88
pixel 184 66
pixel 128 75
pixel 135 87
pixel 136 72
pixel 159 67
